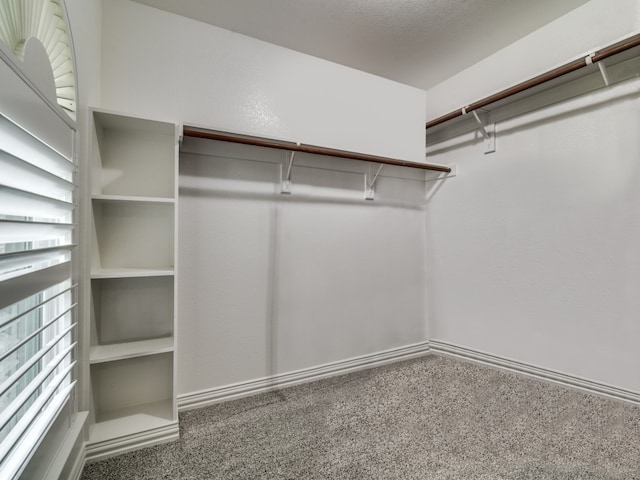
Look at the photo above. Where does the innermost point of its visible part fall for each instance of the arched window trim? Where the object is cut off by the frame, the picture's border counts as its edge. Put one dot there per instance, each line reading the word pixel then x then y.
pixel 45 21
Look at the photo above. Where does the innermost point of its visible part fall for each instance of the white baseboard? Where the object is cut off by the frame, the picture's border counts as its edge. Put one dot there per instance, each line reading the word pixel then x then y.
pixel 252 387
pixel 100 450
pixel 539 373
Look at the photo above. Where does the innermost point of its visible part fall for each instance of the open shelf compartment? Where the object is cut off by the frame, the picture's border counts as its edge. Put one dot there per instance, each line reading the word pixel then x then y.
pixel 133 309
pixel 131 396
pixel 133 156
pixel 132 235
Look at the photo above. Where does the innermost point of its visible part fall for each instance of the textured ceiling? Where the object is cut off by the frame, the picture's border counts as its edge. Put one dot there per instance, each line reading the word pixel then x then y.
pixel 416 42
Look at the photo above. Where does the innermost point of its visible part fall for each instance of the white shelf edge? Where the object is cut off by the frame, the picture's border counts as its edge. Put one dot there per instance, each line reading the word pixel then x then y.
pixel 118 120
pixel 125 350
pixel 133 199
pixel 104 273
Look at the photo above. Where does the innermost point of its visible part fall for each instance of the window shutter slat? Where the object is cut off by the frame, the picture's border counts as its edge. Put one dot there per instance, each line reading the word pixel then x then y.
pixel 14 463
pixel 11 319
pixel 22 429
pixel 18 236
pixel 9 382
pixel 20 144
pixel 19 265
pixel 26 393
pixel 17 288
pixel 24 205
pixel 32 335
pixel 23 175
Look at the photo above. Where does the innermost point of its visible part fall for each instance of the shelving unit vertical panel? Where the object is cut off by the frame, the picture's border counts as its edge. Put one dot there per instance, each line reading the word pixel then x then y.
pixel 176 261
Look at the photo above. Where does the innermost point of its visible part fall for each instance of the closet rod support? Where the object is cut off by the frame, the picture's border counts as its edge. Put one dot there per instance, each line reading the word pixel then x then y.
pixel 481 127
pixel 604 73
pixel 286 180
pixel 488 131
pixel 601 66
pixel 369 186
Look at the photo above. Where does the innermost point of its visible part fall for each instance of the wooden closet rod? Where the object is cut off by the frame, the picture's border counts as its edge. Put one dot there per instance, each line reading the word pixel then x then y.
pixel 293 147
pixel 607 52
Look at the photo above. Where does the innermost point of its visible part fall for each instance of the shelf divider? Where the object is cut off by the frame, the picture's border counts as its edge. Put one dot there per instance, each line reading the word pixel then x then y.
pixel 132 272
pixel 133 198
pixel 132 420
pixel 121 351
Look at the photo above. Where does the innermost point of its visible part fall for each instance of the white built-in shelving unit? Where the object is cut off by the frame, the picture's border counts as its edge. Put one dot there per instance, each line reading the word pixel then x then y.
pixel 134 166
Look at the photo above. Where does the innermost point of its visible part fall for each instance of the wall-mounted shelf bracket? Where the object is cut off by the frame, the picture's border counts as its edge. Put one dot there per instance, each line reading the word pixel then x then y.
pixel 481 126
pixel 369 185
pixel 604 73
pixel 285 187
pixel 588 60
pixel 487 129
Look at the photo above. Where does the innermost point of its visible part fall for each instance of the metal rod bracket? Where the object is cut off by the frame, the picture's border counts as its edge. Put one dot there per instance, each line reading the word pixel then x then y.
pixel 604 73
pixel 285 185
pixel 488 131
pixel 481 126
pixel 588 60
pixel 369 185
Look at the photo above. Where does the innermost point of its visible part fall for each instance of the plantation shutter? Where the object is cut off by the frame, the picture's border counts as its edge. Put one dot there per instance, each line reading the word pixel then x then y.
pixel 37 294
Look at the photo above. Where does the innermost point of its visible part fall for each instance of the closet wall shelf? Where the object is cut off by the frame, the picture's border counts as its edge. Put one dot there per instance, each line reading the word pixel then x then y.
pixel 295 147
pixel 623 46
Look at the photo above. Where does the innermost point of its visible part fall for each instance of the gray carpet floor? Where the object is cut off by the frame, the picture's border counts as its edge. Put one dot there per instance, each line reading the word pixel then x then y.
pixel 428 418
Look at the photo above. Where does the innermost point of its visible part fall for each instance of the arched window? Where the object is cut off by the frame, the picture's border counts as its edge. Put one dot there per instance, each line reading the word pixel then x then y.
pixel 43 20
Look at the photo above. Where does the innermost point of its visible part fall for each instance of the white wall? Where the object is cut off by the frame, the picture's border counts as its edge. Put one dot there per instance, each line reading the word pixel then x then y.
pixel 533 250
pixel 179 69
pixel 85 18
pixel 588 28
pixel 271 284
